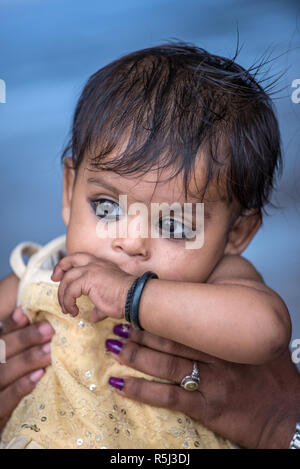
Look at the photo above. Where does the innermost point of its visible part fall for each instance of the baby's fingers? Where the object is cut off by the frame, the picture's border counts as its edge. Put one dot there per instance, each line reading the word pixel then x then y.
pixel 71 292
pixel 70 288
pixel 97 315
pixel 65 264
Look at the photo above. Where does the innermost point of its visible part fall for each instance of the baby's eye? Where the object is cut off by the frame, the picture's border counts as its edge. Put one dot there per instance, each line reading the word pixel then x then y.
pixel 107 209
pixel 175 229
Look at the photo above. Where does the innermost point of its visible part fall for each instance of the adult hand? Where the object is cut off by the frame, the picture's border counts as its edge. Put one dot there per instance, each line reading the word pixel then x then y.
pixel 253 406
pixel 27 353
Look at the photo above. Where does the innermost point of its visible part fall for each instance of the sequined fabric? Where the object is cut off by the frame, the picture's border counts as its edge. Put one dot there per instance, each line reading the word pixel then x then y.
pixel 73 406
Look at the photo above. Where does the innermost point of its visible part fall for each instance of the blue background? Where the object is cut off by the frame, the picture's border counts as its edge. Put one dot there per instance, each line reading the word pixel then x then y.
pixel 48 49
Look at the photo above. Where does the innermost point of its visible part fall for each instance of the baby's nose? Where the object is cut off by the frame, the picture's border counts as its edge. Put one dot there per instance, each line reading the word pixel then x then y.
pixel 132 246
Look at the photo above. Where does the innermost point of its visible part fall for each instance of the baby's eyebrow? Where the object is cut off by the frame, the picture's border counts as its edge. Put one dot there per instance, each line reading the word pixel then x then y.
pixel 100 182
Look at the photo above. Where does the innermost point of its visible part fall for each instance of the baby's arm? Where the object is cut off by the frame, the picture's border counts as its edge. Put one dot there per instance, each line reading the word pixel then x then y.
pixel 234 316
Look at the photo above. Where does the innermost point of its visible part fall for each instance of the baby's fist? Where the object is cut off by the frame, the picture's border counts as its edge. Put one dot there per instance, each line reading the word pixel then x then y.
pixel 102 281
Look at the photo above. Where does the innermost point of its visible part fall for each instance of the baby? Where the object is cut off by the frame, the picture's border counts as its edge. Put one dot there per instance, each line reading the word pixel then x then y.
pixel 170 126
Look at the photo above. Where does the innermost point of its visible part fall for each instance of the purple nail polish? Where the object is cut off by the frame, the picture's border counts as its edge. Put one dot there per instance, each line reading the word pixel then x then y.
pixel 122 330
pixel 113 345
pixel 117 382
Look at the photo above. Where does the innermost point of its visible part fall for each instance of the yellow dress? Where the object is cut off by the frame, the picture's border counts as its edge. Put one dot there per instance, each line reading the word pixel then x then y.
pixel 73 406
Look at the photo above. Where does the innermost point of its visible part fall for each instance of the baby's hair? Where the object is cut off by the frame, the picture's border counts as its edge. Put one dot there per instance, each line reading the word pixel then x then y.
pixel 170 101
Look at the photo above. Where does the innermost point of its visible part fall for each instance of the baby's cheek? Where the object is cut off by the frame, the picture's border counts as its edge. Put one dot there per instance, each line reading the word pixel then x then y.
pixel 180 264
pixel 75 240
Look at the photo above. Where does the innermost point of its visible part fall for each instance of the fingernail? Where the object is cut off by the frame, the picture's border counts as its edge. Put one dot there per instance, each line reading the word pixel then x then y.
pixel 122 330
pixel 117 382
pixel 46 348
pixel 113 345
pixel 18 314
pixel 45 329
pixel 36 375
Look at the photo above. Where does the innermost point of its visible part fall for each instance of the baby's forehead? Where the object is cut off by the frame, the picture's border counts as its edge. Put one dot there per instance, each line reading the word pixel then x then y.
pixel 157 185
pixel 161 179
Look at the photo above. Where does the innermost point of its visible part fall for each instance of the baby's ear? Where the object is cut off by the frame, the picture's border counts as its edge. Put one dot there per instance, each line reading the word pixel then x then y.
pixel 68 186
pixel 242 231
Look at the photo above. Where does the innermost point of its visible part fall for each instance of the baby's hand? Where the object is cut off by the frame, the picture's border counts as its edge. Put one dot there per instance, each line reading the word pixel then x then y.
pixel 102 281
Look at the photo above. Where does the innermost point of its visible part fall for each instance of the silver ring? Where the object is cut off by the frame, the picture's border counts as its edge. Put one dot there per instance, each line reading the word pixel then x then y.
pixel 191 382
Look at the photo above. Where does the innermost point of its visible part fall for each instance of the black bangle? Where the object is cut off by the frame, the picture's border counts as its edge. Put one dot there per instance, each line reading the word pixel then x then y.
pixel 128 300
pixel 133 299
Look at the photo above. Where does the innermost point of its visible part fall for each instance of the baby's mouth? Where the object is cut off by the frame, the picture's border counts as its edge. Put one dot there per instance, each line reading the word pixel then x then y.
pixel 135 269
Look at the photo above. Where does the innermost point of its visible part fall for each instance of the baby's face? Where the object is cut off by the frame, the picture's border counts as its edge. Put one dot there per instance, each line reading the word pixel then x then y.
pixel 96 193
